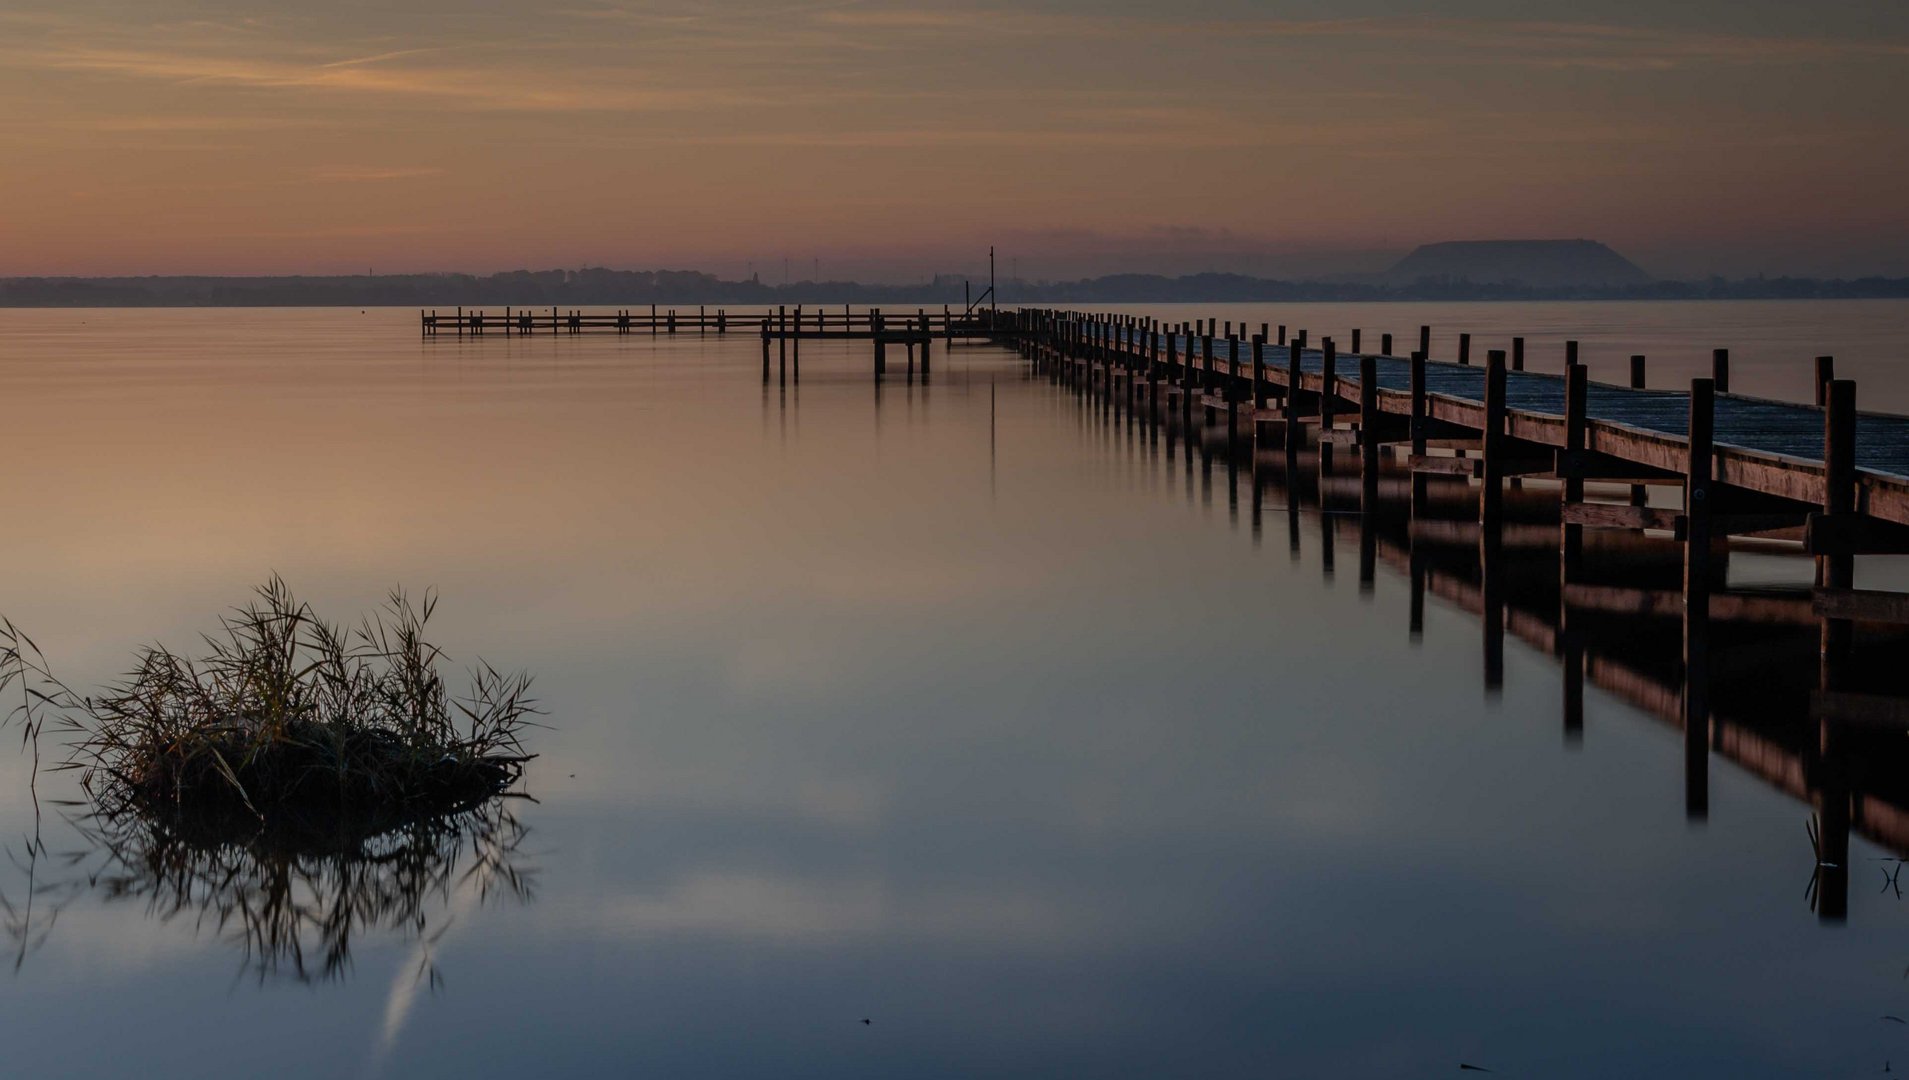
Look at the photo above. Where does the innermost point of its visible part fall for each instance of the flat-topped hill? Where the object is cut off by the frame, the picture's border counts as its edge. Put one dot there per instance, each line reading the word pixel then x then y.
pixel 1540 264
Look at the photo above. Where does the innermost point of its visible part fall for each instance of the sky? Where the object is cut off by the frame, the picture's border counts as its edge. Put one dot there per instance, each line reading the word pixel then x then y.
pixel 893 139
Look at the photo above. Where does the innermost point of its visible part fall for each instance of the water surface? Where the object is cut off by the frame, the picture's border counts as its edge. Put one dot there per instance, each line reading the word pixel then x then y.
pixel 958 707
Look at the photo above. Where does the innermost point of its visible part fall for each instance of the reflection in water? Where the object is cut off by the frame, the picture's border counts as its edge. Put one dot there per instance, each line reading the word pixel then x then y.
pixel 294 907
pixel 1737 677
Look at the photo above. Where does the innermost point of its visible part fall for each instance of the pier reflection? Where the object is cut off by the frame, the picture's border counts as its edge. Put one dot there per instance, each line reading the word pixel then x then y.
pixel 1738 675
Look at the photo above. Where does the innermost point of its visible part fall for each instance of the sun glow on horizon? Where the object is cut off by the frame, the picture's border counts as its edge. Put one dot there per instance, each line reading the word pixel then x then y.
pixel 183 136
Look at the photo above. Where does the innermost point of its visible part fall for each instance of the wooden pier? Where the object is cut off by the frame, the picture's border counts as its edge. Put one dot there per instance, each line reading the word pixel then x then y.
pixel 782 329
pixel 1528 481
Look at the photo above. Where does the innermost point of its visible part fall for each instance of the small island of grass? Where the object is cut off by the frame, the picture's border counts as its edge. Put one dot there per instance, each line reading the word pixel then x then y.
pixel 284 722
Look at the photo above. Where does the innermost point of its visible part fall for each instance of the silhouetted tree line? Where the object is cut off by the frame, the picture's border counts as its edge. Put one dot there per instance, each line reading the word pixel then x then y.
pixel 601 287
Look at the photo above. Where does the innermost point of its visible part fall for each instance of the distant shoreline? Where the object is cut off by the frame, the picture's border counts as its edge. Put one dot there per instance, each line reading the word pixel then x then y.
pixel 680 289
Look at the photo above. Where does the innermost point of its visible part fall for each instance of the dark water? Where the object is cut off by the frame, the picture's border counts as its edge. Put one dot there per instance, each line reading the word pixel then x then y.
pixel 959 707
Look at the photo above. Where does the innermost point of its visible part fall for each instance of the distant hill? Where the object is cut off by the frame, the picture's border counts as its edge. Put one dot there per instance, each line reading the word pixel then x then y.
pixel 1536 264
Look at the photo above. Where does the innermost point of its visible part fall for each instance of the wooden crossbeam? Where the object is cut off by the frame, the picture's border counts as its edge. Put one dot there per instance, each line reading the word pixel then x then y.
pixel 1622 516
pixel 1853 534
pixel 1505 465
pixel 1863 605
pixel 1783 609
pixel 1860 710
pixel 1593 465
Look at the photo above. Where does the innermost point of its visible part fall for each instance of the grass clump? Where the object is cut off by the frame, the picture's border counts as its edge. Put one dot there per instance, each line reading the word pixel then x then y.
pixel 286 720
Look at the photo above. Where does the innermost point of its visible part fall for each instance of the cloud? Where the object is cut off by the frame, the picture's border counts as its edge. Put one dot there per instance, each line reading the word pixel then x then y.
pixel 352 174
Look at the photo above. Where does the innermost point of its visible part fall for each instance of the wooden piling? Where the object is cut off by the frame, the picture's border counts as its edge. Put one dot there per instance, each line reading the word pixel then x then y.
pixel 1720 369
pixel 1425 340
pixel 1698 470
pixel 1837 571
pixel 1576 423
pixel 1491 499
pixel 1825 374
pixel 1464 348
pixel 1328 390
pixel 1259 372
pixel 1385 344
pixel 1417 431
pixel 1368 434
pixel 1293 351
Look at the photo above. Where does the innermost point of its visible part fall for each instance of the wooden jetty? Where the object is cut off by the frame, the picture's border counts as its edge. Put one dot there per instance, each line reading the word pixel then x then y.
pixel 1523 484
pixel 782 329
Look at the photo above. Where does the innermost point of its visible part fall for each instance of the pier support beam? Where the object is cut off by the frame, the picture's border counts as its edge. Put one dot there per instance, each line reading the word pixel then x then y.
pixel 1698 499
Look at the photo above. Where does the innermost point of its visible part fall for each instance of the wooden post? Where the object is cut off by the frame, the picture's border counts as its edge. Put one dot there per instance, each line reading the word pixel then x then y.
pixel 765 352
pixel 1699 458
pixel 1576 393
pixel 1491 499
pixel 1259 374
pixel 1417 430
pixel 1328 386
pixel 1173 355
pixel 1425 340
pixel 1292 404
pixel 1517 354
pixel 1839 497
pixel 702 320
pixel 1385 344
pixel 1368 436
pixel 1355 341
pixel 1825 374
pixel 1640 495
pixel 1570 640
pixel 1153 379
pixel 1282 335
pixel 1465 349
pixel 1570 353
pixel 1720 369
pixel 1836 572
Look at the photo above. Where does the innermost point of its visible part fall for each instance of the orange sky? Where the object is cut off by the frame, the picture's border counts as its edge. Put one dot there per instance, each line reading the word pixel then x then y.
pixel 894 139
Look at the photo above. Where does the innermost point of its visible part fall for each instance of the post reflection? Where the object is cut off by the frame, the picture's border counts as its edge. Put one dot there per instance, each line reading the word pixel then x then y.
pixel 1616 618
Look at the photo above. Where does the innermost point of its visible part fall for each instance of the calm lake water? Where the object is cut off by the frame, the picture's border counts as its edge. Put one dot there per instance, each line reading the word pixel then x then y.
pixel 954 706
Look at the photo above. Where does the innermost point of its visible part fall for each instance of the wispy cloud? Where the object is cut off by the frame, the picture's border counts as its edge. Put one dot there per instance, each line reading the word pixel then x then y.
pixel 1613 46
pixel 357 174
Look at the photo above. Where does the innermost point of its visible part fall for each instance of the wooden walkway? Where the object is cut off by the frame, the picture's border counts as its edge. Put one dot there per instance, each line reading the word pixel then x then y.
pixel 1820 473
pixel 792 322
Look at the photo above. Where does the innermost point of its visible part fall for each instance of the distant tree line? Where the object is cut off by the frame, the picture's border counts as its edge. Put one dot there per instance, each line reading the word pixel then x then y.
pixel 603 288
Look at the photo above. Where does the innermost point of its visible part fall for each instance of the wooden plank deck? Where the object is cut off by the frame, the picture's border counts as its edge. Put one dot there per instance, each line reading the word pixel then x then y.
pixel 1766 446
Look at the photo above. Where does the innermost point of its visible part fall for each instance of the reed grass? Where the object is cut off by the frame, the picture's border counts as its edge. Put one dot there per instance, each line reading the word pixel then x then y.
pixel 285 719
